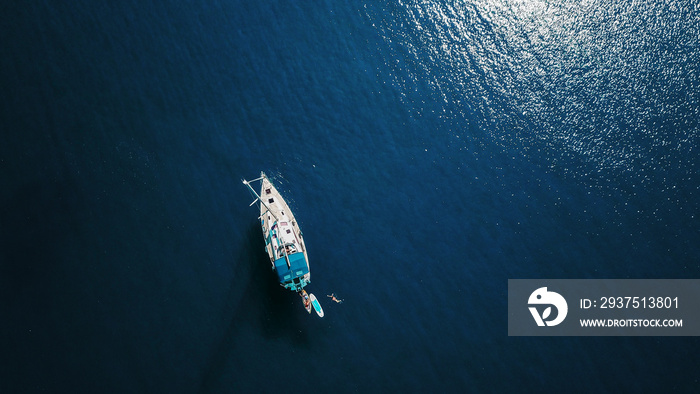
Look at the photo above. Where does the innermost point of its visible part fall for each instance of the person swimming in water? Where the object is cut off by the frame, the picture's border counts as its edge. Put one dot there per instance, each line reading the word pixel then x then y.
pixel 333 297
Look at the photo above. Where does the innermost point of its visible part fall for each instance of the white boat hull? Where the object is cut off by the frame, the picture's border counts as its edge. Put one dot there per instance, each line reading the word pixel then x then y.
pixel 284 242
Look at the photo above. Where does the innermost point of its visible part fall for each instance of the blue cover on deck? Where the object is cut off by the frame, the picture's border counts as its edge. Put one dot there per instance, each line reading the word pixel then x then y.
pixel 299 267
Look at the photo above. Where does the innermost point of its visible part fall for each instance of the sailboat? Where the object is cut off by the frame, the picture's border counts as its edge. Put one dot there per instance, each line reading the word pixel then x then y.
pixel 284 243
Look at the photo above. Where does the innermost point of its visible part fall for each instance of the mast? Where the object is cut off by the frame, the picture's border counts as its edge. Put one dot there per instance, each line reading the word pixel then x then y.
pixel 258 198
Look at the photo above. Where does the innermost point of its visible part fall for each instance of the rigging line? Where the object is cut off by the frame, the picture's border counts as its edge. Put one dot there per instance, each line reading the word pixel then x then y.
pixel 263 177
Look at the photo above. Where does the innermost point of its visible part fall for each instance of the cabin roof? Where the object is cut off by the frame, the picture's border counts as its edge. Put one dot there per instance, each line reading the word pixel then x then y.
pixel 299 267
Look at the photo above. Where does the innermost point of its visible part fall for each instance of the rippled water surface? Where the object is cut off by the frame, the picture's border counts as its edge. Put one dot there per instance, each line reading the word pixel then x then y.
pixel 431 150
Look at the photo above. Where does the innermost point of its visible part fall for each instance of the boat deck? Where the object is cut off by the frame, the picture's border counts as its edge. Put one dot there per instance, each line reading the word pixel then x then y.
pixel 286 232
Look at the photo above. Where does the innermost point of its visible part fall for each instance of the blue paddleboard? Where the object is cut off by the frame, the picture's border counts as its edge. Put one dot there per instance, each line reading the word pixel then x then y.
pixel 316 304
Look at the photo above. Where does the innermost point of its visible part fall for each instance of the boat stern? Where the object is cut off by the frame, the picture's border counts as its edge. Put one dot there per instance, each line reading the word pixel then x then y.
pixel 295 275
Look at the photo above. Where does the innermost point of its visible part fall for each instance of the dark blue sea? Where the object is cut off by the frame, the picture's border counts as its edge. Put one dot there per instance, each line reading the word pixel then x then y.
pixel 430 150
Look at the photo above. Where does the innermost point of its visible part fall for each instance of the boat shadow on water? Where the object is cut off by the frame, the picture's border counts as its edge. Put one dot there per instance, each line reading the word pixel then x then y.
pixel 256 302
pixel 281 314
pixel 271 310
